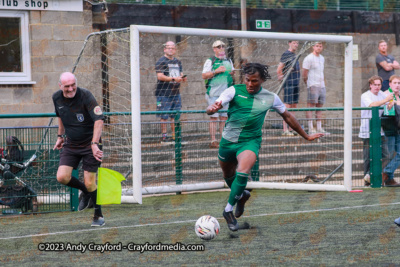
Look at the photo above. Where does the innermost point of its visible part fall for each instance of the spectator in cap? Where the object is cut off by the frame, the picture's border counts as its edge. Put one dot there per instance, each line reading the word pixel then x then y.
pixel 217 73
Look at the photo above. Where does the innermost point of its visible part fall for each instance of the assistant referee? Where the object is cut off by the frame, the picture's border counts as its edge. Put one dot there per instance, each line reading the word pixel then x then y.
pixel 80 123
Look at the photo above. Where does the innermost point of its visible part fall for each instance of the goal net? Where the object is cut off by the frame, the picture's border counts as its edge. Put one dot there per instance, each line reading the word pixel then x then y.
pixel 120 67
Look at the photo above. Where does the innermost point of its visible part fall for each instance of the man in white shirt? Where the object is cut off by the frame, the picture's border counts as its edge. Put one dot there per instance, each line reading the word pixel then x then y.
pixel 313 76
pixel 372 98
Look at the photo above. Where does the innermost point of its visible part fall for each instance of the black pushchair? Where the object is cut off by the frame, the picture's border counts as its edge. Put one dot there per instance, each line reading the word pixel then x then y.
pixel 15 193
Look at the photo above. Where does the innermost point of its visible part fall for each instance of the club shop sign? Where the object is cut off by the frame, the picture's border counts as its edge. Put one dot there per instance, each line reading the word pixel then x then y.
pixel 55 5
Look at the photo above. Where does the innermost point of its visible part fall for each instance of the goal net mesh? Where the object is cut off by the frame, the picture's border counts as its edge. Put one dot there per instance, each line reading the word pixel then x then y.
pixel 104 68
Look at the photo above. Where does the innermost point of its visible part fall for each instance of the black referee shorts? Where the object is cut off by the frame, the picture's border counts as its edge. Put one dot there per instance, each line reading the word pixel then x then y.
pixel 72 155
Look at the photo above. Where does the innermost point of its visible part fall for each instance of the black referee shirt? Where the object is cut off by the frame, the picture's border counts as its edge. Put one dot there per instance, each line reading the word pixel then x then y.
pixel 78 115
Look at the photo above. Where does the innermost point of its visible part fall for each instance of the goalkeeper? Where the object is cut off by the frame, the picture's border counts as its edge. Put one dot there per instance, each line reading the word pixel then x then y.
pixel 241 138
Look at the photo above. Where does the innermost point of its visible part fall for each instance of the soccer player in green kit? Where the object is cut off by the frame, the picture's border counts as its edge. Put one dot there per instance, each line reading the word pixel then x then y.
pixel 241 138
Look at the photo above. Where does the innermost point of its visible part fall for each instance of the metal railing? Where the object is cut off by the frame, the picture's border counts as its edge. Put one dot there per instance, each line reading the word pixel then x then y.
pixel 365 5
pixel 190 160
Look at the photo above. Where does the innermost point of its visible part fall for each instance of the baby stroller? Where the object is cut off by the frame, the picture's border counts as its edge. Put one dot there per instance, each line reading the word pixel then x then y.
pixel 15 193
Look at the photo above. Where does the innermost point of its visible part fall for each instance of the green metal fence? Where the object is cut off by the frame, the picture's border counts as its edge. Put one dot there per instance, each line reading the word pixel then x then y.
pixel 371 5
pixel 282 159
pixel 33 189
pixel 190 159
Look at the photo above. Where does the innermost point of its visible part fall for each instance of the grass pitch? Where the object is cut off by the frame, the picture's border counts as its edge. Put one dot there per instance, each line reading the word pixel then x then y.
pixel 282 228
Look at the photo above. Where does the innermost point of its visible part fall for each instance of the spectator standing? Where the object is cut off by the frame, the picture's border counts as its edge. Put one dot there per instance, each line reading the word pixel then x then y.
pixel 217 72
pixel 313 76
pixel 393 139
pixel 386 64
pixel 291 85
pixel 169 78
pixel 374 97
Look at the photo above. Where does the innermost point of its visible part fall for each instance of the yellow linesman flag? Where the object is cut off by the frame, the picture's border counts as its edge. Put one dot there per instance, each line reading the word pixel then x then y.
pixel 109 187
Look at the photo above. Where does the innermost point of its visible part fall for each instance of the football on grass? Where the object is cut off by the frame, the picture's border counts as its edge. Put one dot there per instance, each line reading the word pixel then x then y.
pixel 207 227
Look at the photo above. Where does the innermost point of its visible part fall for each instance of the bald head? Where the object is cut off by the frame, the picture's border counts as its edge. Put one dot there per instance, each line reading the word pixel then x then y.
pixel 66 76
pixel 67 84
pixel 169 49
pixel 169 43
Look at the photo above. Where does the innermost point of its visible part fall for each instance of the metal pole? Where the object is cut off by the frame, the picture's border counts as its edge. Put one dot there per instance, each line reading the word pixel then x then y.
pixel 245 34
pixel 136 121
pixel 243 14
pixel 74 193
pixel 178 149
pixel 375 149
pixel 348 102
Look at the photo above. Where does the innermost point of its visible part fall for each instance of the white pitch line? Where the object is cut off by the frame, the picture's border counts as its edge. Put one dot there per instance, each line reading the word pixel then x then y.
pixel 188 221
pixel 331 209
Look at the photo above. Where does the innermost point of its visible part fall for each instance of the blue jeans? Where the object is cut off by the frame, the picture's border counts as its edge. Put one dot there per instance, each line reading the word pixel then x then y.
pixel 385 85
pixel 168 103
pixel 366 157
pixel 291 92
pixel 393 143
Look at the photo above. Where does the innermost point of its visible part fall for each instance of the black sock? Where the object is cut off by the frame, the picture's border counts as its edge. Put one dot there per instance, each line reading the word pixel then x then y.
pixel 75 183
pixel 97 208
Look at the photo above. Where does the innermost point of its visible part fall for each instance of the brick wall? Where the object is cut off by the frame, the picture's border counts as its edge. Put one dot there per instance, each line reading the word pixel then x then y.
pixel 56 39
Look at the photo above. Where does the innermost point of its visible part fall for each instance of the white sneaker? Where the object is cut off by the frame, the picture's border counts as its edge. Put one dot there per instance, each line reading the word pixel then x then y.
pixel 98 221
pixel 367 179
pixel 323 131
pixel 287 133
pixel 312 131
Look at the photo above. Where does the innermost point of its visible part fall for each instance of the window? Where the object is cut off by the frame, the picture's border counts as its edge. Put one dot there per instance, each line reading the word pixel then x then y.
pixel 15 67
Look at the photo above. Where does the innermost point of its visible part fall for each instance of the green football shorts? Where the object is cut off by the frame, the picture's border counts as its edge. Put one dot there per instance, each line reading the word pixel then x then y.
pixel 229 151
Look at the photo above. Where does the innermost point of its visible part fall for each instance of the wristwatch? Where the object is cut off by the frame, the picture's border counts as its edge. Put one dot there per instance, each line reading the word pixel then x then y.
pixel 173 79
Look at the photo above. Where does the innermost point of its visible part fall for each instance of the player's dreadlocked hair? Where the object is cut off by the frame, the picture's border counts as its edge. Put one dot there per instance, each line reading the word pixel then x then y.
pixel 251 68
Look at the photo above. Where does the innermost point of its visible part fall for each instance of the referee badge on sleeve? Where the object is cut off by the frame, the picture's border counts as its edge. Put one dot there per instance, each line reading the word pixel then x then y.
pixel 97 110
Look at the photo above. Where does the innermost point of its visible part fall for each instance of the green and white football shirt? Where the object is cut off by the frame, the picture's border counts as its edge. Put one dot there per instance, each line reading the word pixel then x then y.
pixel 220 81
pixel 247 112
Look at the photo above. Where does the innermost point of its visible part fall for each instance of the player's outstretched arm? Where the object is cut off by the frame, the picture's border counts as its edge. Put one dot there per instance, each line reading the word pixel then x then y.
pixel 294 124
pixel 214 108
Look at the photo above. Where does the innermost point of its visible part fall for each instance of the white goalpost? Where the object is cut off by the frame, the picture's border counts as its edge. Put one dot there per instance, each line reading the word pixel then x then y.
pixel 136 30
pixel 119 67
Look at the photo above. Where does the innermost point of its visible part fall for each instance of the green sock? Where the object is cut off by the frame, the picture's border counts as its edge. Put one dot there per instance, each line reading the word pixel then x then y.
pixel 230 180
pixel 237 187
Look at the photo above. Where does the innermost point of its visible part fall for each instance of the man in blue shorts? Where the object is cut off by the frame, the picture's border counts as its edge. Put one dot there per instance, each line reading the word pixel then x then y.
pixel 291 86
pixel 242 135
pixel 169 78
